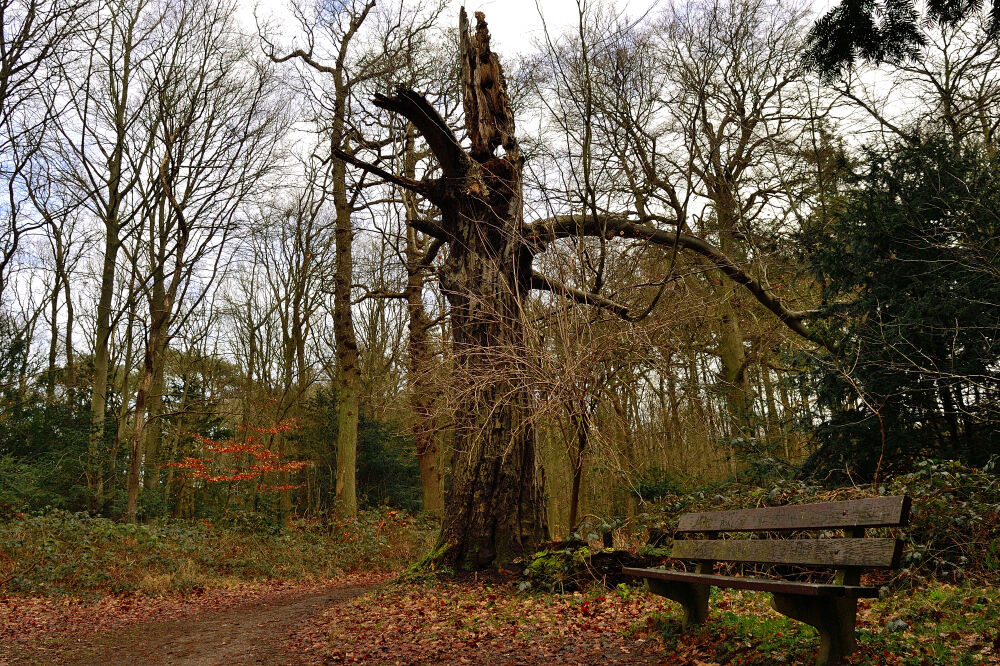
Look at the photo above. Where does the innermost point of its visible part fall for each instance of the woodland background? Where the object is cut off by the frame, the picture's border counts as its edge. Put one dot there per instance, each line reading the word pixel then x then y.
pixel 205 313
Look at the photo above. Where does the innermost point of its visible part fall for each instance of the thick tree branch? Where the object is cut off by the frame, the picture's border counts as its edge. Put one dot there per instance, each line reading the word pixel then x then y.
pixel 305 57
pixel 563 226
pixel 376 294
pixel 406 183
pixel 430 189
pixel 442 141
pixel 432 252
pixel 431 228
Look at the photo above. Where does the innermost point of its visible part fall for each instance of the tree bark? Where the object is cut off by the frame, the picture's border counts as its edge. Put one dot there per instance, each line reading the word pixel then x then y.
pixel 580 433
pixel 161 307
pixel 495 507
pixel 50 375
pixel 421 390
pixel 102 355
pixel 154 427
pixel 153 392
pixel 70 377
pixel 348 366
pixel 732 352
pixel 124 388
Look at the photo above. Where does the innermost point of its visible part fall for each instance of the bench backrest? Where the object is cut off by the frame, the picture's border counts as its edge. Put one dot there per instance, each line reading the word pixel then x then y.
pixel 851 551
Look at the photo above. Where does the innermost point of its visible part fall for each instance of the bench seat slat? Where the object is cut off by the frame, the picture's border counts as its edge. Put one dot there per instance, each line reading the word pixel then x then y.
pixel 863 553
pixel 872 512
pixel 758 584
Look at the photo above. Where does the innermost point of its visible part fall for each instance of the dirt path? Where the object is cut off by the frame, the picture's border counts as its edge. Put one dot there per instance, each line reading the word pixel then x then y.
pixel 250 633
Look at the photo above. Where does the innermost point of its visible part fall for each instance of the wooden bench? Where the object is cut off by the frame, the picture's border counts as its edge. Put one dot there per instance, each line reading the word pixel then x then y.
pixel 830 607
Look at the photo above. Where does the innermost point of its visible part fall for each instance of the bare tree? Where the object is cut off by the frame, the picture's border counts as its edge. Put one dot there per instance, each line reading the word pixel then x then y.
pixel 495 507
pixel 351 47
pixel 218 127
pixel 34 32
pixel 104 149
pixel 724 146
pixel 62 218
pixel 954 87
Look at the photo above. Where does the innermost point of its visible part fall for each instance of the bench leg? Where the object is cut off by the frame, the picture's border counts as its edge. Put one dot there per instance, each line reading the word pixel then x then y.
pixel 694 598
pixel 833 617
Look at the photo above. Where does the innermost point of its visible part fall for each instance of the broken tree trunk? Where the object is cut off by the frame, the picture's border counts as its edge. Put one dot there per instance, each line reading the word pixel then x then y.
pixel 494 508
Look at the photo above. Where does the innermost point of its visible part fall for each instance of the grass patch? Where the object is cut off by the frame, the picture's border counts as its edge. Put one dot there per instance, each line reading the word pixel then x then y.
pixel 946 625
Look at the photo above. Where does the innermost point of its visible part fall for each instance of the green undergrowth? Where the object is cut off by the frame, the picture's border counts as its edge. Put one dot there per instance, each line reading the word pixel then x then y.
pixel 939 624
pixel 62 553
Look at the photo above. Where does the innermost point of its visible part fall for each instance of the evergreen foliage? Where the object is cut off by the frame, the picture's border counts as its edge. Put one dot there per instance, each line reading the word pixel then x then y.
pixel 910 264
pixel 42 443
pixel 387 464
pixel 889 31
pixel 43 450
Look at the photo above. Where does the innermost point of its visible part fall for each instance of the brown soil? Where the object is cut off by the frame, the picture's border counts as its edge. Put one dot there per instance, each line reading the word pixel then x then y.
pixel 252 633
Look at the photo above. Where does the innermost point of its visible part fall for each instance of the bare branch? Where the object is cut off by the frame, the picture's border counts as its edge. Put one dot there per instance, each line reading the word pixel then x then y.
pixel 431 228
pixel 432 250
pixel 428 189
pixel 545 283
pixel 619 225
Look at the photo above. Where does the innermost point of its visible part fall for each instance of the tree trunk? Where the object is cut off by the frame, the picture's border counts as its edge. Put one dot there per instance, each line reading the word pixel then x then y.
pixel 154 427
pixel 774 416
pixel 422 397
pixel 102 354
pixel 735 387
pixel 138 430
pixel 157 341
pixel 153 395
pixel 168 482
pixel 348 367
pixel 732 354
pixel 421 392
pixel 495 508
pixel 580 427
pixel 125 391
pixel 50 375
pixel 70 377
pixel 161 304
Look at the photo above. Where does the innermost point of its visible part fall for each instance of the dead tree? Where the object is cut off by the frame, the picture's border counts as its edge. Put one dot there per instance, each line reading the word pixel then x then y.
pixel 494 508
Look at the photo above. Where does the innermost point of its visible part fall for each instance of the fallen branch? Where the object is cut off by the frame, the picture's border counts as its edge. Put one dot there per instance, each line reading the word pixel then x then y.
pixel 17 574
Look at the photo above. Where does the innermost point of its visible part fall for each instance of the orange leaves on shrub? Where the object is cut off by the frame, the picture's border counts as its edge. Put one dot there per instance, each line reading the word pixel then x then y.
pixel 256 459
pixel 277 489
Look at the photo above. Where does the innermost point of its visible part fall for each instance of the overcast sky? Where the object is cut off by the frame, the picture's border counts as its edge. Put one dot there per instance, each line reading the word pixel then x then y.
pixel 514 24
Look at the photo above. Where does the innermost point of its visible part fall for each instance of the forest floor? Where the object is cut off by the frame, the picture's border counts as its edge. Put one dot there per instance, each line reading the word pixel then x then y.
pixel 369 619
pixel 246 624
